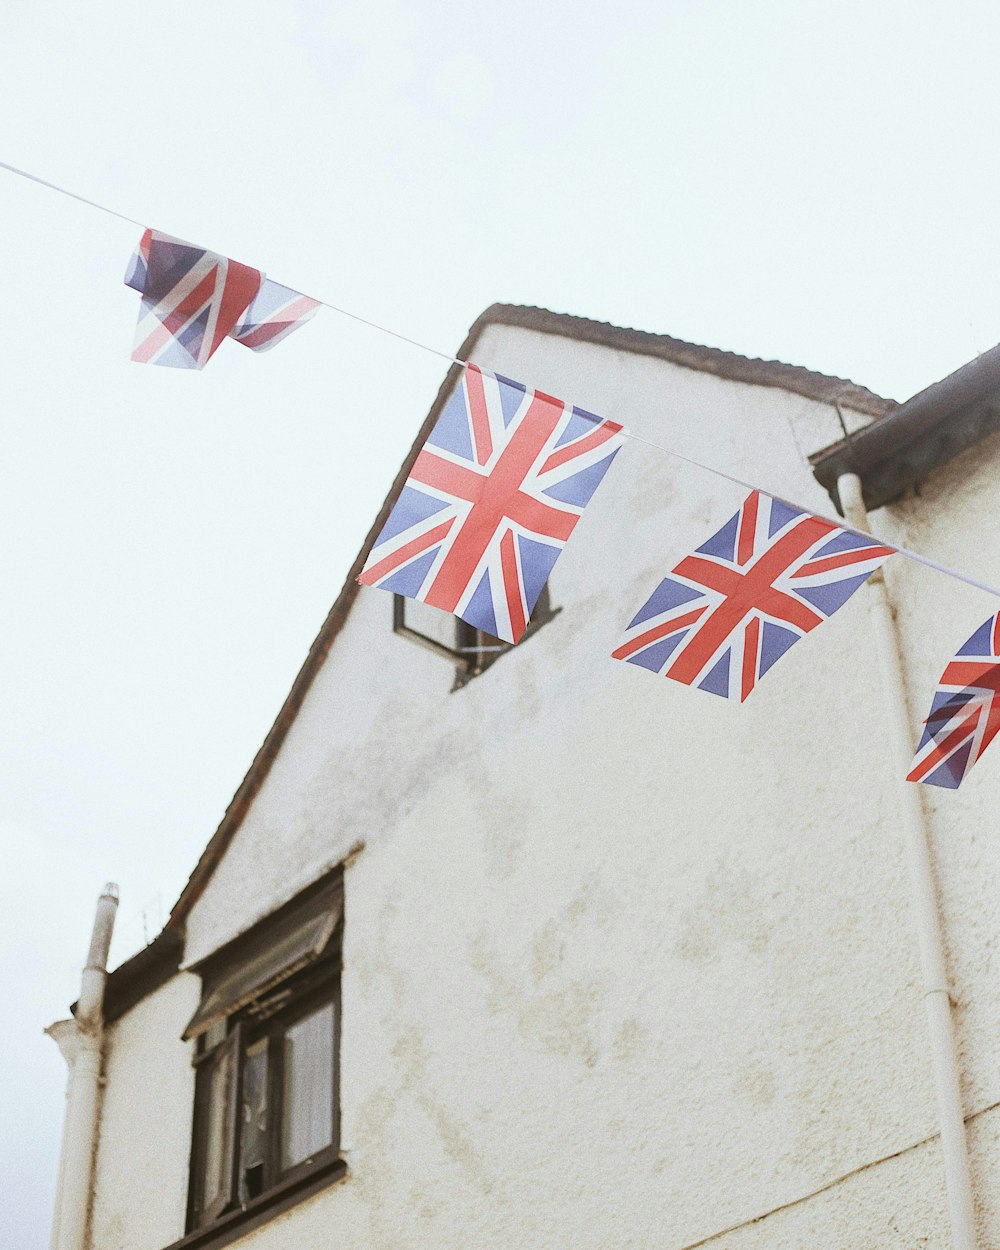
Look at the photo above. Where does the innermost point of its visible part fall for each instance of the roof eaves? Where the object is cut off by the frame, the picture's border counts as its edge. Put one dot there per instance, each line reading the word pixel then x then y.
pixel 935 425
pixel 145 972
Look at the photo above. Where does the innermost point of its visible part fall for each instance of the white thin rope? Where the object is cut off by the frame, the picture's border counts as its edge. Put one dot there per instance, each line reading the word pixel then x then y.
pixel 52 186
pixel 842 524
pixel 22 173
pixel 637 438
pixel 395 334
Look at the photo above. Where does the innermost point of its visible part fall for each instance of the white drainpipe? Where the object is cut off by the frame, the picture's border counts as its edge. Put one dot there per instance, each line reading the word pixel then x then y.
pixel 926 913
pixel 80 1041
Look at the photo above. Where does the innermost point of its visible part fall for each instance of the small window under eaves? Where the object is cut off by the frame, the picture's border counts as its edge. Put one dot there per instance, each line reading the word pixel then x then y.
pixel 290 943
pixel 471 650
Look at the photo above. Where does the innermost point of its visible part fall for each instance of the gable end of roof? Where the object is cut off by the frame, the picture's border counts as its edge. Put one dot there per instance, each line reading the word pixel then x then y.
pixel 722 364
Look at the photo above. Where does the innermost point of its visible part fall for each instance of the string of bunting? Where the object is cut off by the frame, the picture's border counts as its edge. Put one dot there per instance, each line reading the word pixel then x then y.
pixel 505 475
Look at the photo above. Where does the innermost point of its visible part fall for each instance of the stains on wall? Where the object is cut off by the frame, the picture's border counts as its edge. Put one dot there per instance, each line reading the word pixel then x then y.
pixel 725 911
pixel 602 919
pixel 554 1007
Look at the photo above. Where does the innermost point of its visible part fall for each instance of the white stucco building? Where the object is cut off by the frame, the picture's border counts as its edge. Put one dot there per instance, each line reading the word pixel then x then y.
pixel 623 965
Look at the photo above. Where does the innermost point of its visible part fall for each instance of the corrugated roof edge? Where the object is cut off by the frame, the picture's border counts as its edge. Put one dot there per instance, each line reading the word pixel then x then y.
pixel 728 365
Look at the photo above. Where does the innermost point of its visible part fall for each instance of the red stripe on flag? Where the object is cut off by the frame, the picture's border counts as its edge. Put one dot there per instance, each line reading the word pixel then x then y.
pixel 542 518
pixel 752 589
pixel 745 592
pixel 278 322
pixel 384 567
pixel 144 352
pixel 240 286
pixel 843 560
pixel 747 528
pixel 479 413
pixel 983 674
pixel 663 630
pixel 500 497
pixel 261 334
pixel 944 748
pixel 751 646
pixel 581 445
pixel 446 476
pixel 512 584
pixel 176 320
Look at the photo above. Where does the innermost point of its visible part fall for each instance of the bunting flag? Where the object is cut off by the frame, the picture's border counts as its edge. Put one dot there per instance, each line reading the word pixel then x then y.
pixel 192 299
pixel 491 501
pixel 965 711
pixel 729 611
pixel 273 315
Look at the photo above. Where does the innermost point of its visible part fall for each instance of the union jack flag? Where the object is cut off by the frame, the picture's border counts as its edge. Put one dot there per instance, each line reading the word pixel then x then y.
pixel 965 711
pixel 491 501
pixel 192 299
pixel 273 315
pixel 729 611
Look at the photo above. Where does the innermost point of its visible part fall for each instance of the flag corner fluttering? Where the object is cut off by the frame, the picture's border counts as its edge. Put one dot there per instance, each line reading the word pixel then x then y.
pixel 191 299
pixel 726 613
pixel 492 498
pixel 965 711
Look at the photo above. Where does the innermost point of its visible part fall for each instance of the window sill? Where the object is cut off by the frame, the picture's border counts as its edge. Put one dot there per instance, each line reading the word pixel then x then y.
pixel 238 1223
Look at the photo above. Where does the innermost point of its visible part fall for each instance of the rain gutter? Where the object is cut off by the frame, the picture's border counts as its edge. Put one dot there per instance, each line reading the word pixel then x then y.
pixel 926 911
pixel 80 1041
pixel 895 453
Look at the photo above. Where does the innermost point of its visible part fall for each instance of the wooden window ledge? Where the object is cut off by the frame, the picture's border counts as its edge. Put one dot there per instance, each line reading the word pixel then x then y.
pixel 262 1209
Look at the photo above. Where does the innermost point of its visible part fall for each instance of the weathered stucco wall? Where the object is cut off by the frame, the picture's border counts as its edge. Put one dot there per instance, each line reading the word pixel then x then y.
pixel 954 521
pixel 140 1184
pixel 626 964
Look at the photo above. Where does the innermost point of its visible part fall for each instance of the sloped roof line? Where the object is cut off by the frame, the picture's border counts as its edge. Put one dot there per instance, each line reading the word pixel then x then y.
pixel 712 360
pixel 723 364
pixel 331 627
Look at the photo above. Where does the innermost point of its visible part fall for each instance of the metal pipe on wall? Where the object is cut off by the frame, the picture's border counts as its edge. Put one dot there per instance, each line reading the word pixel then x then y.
pixel 926 912
pixel 80 1042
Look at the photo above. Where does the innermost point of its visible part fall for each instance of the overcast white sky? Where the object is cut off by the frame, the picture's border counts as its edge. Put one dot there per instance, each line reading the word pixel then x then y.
pixel 816 183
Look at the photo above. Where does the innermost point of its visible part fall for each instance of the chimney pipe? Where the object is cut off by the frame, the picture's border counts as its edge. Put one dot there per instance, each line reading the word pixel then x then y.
pixel 80 1042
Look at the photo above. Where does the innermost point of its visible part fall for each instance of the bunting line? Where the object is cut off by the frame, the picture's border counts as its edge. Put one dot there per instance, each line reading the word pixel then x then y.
pixel 344 312
pixel 454 360
pixel 905 552
pixel 840 523
pixel 23 173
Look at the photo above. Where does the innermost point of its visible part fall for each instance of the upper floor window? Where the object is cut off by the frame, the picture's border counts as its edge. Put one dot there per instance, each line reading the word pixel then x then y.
pixel 470 649
pixel 266 1113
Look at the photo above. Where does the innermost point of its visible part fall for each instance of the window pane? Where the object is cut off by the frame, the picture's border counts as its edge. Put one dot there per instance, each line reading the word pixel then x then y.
pixel 218 1132
pixel 307 1104
pixel 288 944
pixel 253 1122
pixel 433 623
pixel 215 1035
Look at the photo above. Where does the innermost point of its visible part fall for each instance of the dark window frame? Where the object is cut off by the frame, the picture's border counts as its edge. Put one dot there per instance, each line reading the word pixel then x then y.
pixel 206 1063
pixel 261 1210
pixel 475 651
pixel 266 1018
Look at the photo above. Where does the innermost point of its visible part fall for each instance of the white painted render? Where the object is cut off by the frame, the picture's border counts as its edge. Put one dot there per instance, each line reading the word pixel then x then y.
pixel 145 1139
pixel 625 964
